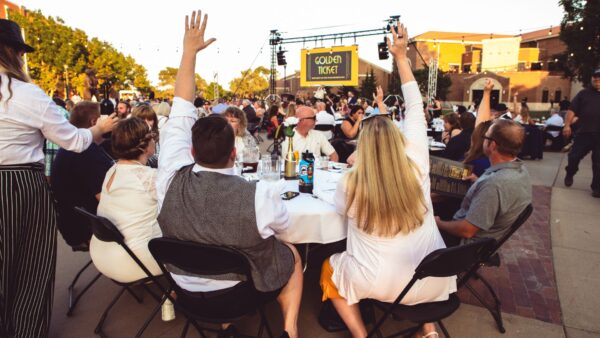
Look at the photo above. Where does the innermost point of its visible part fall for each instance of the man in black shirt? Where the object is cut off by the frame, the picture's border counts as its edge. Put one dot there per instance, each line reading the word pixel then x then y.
pixel 77 179
pixel 586 107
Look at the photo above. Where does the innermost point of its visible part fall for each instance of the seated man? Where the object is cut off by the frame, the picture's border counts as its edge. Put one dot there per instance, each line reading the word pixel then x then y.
pixel 554 133
pixel 306 138
pixel 196 170
pixel 77 179
pixel 497 198
pixel 325 119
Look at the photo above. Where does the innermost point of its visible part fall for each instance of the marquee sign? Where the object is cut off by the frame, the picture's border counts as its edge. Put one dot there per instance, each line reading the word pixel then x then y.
pixel 329 66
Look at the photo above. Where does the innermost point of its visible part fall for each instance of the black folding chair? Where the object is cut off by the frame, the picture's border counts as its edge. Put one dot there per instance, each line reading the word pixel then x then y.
pixel 440 263
pixel 73 300
pixel 493 259
pixel 557 142
pixel 106 231
pixel 216 307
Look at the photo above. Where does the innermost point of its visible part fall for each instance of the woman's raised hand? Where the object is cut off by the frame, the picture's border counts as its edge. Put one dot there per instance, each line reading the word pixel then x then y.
pixel 193 39
pixel 397 46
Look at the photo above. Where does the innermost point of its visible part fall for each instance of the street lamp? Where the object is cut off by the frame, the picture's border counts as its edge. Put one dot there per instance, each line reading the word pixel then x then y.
pixel 67 82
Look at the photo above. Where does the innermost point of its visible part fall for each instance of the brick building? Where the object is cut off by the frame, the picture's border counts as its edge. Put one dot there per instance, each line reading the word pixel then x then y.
pixel 524 63
pixel 5 6
pixel 291 83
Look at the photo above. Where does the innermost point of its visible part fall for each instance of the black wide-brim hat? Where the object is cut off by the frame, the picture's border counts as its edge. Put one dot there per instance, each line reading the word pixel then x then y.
pixel 10 35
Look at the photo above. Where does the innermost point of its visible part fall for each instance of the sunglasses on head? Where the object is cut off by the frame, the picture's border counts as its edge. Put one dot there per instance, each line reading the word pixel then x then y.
pixel 373 116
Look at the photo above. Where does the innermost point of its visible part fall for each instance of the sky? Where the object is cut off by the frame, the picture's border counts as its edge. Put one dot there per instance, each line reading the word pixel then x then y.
pixel 152 31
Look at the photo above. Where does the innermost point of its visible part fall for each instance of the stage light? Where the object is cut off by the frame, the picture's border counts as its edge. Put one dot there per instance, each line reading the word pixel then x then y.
pixel 383 50
pixel 281 61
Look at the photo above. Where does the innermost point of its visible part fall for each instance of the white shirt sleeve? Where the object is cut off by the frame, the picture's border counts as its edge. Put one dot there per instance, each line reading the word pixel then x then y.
pixel 175 145
pixel 271 214
pixel 415 127
pixel 57 129
pixel 326 147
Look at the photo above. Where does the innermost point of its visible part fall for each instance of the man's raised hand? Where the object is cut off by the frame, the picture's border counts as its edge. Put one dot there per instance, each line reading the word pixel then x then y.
pixel 193 39
pixel 488 86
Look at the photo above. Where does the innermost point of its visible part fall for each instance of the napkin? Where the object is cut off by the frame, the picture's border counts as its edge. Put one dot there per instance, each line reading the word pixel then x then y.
pixel 325 184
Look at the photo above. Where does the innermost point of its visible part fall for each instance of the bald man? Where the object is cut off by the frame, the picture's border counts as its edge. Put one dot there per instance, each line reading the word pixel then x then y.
pixel 306 138
pixel 496 199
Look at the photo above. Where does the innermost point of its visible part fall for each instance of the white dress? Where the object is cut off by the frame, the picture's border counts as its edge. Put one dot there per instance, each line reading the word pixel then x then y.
pixel 377 267
pixel 131 205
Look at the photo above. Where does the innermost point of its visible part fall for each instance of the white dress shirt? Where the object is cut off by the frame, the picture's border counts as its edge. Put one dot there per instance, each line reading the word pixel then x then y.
pixel 315 142
pixel 554 120
pixel 324 118
pixel 176 144
pixel 27 119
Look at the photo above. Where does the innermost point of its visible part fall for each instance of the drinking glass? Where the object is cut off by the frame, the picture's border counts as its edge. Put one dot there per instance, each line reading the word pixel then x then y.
pixel 270 169
pixel 250 157
pixel 324 162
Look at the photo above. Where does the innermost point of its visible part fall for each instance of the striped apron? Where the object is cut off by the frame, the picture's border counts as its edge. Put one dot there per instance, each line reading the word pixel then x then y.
pixel 27 251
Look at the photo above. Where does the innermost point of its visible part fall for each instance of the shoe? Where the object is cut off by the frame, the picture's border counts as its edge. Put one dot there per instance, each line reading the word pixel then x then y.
pixel 568 180
pixel 596 193
pixel 229 332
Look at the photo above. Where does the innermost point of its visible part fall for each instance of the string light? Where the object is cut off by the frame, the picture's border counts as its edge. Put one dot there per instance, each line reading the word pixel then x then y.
pixel 550 31
pixel 589 47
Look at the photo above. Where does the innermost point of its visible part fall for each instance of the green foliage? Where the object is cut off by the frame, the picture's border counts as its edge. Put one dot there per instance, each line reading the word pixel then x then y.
pixel 210 93
pixel 166 82
pixel 580 32
pixel 63 54
pixel 251 82
pixel 369 85
pixel 443 82
pixel 395 86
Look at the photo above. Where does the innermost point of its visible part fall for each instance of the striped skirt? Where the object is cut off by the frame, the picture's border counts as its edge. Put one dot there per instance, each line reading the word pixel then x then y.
pixel 27 251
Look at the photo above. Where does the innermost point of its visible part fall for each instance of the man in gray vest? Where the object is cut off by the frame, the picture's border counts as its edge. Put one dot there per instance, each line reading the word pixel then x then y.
pixel 202 200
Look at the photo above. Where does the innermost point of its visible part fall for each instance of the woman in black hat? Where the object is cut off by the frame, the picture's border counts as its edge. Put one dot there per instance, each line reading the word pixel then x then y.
pixel 27 215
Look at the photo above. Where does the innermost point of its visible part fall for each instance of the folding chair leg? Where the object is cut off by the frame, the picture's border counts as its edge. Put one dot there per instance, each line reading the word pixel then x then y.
pixel 264 322
pixel 185 329
pixel 494 310
pixel 198 328
pixel 154 295
pixel 73 303
pixel 497 313
pixel 137 298
pixel 152 315
pixel 443 328
pixel 98 329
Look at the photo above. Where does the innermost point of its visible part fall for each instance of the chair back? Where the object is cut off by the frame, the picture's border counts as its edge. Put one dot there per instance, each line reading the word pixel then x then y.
pixel 523 216
pixel 454 260
pixel 324 127
pixel 553 128
pixel 198 258
pixel 101 227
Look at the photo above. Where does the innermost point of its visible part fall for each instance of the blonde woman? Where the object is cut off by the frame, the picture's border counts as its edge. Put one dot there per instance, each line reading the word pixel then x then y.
pixel 391 227
pixel 237 119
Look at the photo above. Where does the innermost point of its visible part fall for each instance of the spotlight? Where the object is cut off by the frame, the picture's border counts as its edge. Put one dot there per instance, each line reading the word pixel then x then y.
pixel 281 58
pixel 383 50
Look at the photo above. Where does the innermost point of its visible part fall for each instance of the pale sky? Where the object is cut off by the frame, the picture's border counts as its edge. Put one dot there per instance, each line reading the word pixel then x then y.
pixel 152 31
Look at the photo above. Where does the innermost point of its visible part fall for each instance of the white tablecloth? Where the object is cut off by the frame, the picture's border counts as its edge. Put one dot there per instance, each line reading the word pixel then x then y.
pixel 313 220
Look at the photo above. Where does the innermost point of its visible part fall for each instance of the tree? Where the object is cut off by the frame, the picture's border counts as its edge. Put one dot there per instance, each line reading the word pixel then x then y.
pixel 395 86
pixel 63 54
pixel 166 82
pixel 580 32
pixel 210 93
pixel 443 82
pixel 369 85
pixel 251 83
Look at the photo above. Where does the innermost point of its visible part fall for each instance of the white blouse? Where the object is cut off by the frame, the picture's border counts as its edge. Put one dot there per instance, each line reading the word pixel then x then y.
pixel 378 267
pixel 27 119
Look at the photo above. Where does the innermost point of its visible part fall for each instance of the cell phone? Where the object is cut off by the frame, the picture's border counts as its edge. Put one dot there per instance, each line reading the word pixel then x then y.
pixel 288 195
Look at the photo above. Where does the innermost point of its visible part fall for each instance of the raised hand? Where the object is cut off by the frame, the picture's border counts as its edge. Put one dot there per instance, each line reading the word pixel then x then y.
pixel 488 86
pixel 193 39
pixel 378 95
pixel 399 41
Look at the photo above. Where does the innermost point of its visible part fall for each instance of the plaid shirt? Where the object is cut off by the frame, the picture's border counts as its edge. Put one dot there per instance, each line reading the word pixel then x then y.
pixel 52 148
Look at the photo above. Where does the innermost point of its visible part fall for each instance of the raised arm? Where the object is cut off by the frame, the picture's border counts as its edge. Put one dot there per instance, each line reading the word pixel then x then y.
pixel 484 112
pixel 415 125
pixel 516 105
pixel 378 97
pixel 176 137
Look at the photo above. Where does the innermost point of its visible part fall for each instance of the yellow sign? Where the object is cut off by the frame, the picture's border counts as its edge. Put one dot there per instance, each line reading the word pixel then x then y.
pixel 329 66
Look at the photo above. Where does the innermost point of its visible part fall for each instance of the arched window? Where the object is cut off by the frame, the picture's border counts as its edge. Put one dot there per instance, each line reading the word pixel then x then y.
pixel 545 94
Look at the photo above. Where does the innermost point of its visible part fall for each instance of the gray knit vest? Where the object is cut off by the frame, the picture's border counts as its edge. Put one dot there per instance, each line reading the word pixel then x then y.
pixel 213 208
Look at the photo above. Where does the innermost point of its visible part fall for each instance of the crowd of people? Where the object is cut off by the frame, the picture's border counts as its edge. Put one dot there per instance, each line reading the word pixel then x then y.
pixel 138 162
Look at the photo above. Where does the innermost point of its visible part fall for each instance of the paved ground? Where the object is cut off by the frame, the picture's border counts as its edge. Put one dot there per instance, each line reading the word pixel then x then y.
pixel 575 254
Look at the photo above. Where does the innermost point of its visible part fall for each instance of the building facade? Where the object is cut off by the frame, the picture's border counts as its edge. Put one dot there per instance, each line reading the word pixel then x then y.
pixel 523 64
pixel 5 6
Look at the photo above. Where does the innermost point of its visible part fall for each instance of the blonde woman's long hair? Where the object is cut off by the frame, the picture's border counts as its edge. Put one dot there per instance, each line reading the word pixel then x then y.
pixel 383 187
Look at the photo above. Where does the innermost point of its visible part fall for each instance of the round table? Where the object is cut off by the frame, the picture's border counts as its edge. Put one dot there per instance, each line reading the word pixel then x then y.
pixel 314 219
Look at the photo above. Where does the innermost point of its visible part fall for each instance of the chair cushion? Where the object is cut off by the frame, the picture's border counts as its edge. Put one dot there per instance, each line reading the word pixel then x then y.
pixel 425 312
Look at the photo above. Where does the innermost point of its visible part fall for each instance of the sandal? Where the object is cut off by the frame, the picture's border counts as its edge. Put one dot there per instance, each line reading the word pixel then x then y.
pixel 431 334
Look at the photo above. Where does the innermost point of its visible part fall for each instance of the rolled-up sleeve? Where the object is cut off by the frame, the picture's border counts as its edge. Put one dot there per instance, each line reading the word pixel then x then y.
pixel 57 129
pixel 415 127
